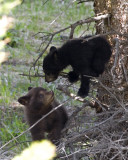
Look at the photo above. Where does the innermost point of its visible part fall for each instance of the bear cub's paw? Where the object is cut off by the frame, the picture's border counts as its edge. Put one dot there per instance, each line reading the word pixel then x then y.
pixel 73 77
pixel 83 92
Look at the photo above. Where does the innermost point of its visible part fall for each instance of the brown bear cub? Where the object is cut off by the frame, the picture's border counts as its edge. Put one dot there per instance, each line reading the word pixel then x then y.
pixel 38 102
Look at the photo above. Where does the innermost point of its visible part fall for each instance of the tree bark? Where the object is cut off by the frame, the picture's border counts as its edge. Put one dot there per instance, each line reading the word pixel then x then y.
pixel 113 84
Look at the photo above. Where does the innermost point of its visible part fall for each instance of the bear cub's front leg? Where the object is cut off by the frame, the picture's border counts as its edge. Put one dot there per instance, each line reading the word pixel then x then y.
pixel 84 87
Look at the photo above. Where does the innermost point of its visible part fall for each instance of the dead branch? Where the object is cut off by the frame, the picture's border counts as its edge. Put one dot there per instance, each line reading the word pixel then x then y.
pixel 72 27
pixel 62 74
pixel 35 75
pixel 82 1
pixel 67 92
pixel 43 51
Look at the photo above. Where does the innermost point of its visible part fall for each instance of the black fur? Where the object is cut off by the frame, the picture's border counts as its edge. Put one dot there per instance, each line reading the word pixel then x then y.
pixel 86 58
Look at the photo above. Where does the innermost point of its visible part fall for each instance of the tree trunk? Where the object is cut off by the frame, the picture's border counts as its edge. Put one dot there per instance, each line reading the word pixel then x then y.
pixel 113 85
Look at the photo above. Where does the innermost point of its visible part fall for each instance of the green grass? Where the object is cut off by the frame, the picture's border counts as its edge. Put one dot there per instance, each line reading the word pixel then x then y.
pixel 30 18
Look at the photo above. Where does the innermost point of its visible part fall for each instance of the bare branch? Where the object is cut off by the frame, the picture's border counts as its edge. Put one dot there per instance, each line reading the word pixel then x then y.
pixel 66 91
pixel 82 1
pixel 72 27
pixel 35 75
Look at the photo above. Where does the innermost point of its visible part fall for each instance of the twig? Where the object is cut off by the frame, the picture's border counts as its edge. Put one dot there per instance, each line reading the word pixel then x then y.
pixel 82 1
pixel 62 74
pixel 45 2
pixel 43 51
pixel 36 75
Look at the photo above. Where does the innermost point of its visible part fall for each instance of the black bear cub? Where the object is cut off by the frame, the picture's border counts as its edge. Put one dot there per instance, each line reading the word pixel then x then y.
pixel 87 59
pixel 38 102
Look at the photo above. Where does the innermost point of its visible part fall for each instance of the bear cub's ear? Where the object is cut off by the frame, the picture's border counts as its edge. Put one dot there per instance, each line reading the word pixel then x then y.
pixel 53 52
pixel 24 100
pixel 53 49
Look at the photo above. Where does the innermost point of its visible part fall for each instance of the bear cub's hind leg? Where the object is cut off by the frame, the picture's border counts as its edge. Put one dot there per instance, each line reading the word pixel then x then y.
pixel 73 76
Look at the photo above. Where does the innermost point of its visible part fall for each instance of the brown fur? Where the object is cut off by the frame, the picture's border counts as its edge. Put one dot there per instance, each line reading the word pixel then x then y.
pixel 39 102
